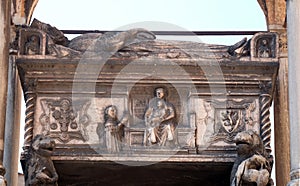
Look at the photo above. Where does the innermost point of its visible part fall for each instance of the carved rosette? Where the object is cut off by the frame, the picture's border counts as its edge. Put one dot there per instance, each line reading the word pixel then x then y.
pixel 65 120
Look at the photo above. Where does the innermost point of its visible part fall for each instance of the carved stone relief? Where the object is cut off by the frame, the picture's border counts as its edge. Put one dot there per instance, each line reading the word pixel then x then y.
pixel 160 120
pixel 253 165
pixel 39 166
pixel 111 132
pixel 64 120
pixel 222 124
pixel 264 45
pixel 32 42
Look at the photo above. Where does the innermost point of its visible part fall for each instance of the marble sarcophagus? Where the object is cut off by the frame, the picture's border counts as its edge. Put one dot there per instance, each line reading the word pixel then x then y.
pixel 128 109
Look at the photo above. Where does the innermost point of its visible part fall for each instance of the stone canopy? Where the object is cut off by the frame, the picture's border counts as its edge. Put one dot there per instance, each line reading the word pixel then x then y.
pixel 213 92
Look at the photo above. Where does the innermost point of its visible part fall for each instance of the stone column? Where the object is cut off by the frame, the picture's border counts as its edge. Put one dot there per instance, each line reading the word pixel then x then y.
pixel 4 53
pixel 293 30
pixel 281 115
pixel 12 128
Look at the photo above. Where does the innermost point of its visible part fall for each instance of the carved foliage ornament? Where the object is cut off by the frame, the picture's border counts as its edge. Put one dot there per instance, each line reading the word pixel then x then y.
pixel 65 120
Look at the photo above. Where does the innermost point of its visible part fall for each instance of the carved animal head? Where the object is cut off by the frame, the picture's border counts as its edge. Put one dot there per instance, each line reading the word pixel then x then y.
pixel 43 145
pixel 249 143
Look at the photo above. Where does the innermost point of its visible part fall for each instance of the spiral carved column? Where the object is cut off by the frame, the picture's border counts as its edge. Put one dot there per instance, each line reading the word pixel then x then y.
pixel 29 119
pixel 265 125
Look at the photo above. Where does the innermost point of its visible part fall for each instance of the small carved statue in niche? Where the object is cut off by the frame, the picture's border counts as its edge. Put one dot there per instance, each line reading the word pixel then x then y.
pixel 39 166
pixel 113 128
pixel 32 46
pixel 264 50
pixel 160 120
pixel 252 166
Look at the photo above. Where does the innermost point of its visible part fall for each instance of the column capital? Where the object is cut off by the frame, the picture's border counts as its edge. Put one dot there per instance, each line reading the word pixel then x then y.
pixel 295 178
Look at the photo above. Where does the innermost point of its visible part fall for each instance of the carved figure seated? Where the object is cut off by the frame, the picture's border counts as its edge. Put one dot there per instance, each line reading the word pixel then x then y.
pixel 114 129
pixel 39 166
pixel 160 121
pixel 252 166
pixel 32 46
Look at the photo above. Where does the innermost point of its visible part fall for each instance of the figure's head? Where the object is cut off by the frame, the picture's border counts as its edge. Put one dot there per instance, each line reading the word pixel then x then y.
pixel 264 42
pixel 207 106
pixel 160 104
pixel 160 92
pixel 249 142
pixel 43 145
pixel 111 112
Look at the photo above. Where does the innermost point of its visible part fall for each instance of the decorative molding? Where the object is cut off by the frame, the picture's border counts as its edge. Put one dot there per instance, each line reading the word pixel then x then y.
pixel 295 178
pixel 283 44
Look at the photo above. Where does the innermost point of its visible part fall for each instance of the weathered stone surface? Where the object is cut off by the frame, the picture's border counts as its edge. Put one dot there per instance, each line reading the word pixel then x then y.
pixel 83 42
pixel 253 164
pixel 39 168
pixel 214 94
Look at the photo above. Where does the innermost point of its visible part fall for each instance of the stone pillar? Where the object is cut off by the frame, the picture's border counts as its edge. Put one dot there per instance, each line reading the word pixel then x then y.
pixel 281 115
pixel 275 12
pixel 293 30
pixel 4 53
pixel 12 128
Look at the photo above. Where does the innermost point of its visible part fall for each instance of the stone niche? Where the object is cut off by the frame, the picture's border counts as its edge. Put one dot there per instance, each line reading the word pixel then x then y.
pixel 215 91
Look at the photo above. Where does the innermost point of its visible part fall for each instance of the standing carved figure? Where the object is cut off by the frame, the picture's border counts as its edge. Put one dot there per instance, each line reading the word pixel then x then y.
pixel 252 166
pixel 40 170
pixel 160 120
pixel 114 129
